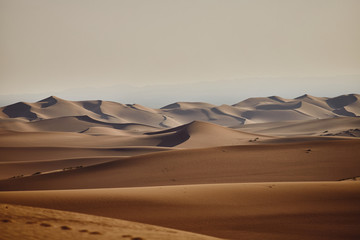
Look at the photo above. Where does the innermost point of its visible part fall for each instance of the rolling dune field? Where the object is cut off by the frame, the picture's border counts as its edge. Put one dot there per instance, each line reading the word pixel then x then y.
pixel 263 168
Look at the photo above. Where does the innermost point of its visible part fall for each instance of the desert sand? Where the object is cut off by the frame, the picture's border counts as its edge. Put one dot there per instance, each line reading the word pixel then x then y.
pixel 19 222
pixel 301 210
pixel 263 168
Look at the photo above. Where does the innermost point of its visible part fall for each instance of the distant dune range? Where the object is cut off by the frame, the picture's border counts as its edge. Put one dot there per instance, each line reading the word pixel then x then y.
pixel 264 168
pixel 81 115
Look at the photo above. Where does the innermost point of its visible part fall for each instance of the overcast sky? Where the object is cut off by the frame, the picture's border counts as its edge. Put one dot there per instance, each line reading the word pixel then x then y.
pixel 52 46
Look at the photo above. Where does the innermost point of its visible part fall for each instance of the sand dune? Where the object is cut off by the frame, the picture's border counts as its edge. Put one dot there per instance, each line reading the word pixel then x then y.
pixel 253 102
pixel 188 105
pixel 319 127
pixel 318 101
pixel 27 153
pixel 24 154
pixel 187 112
pixel 342 101
pixel 30 148
pixel 75 140
pixel 246 171
pixel 23 168
pixel 72 124
pixel 19 222
pixel 192 135
pixel 252 110
pixel 313 210
pixel 299 161
pixel 200 134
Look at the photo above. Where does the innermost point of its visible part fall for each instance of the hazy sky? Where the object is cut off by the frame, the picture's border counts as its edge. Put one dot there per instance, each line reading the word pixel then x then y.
pixel 48 46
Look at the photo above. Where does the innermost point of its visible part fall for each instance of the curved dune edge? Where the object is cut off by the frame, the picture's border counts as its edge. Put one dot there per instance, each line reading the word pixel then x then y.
pixel 20 222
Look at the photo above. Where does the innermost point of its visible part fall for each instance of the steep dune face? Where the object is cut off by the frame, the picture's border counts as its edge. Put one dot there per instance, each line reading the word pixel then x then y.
pixel 20 110
pixel 342 101
pixel 47 102
pixel 94 106
pixel 354 107
pixel 345 105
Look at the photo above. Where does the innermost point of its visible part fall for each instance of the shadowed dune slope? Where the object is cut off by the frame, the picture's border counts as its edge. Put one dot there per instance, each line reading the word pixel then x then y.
pixel 300 161
pixel 19 222
pixel 21 110
pixel 274 211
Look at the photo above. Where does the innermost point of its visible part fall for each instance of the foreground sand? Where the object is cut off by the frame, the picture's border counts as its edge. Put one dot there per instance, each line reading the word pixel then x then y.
pixel 19 222
pixel 304 210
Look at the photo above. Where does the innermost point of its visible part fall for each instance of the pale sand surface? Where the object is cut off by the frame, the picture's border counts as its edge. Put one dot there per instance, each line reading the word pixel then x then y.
pixel 303 210
pixel 19 222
